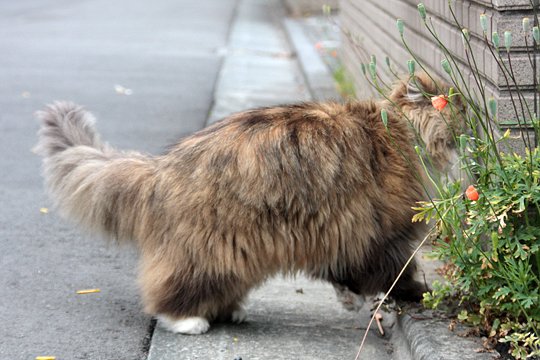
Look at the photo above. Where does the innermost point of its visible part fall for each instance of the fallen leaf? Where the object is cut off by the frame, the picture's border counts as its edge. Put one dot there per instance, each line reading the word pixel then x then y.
pixel 45 357
pixel 44 210
pixel 88 291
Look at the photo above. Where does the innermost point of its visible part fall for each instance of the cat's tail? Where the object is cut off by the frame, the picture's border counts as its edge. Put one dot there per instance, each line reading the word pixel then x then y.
pixel 101 188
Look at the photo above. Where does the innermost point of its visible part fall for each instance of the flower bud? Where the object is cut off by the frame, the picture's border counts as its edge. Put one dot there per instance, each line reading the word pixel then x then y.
pixel 422 11
pixel 400 26
pixel 411 65
pixel 373 70
pixel 495 39
pixel 484 23
pixel 446 66
pixel 418 150
pixel 507 40
pixel 526 22
pixel 536 34
pixel 465 36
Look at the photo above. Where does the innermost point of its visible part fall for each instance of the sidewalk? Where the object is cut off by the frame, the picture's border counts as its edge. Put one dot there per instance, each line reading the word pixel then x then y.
pixel 272 60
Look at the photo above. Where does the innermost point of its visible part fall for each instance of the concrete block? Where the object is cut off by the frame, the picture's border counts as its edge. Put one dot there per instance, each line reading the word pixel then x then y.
pixel 501 5
pixel 513 23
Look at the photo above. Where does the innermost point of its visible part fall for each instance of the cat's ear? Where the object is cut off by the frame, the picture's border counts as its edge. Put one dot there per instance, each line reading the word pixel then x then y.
pixel 416 90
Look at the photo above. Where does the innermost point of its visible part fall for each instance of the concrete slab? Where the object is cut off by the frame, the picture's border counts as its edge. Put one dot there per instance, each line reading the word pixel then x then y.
pixel 287 319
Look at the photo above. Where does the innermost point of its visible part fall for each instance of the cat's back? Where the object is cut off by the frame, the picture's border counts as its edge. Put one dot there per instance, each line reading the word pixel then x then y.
pixel 277 156
pixel 302 127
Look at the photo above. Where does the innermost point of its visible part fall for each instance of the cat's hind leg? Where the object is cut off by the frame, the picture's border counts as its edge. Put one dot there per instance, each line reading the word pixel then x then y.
pixel 186 299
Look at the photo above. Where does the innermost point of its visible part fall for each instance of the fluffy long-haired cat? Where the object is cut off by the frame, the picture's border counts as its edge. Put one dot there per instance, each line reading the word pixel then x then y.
pixel 320 188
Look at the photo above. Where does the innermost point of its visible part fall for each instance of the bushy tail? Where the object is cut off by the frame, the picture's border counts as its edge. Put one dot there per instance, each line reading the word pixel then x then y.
pixel 65 125
pixel 102 189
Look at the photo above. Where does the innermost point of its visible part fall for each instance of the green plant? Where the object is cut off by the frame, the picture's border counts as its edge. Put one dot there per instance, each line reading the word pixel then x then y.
pixel 344 84
pixel 489 236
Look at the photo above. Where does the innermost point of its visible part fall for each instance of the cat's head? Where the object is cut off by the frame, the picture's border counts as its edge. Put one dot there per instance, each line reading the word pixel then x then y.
pixel 437 126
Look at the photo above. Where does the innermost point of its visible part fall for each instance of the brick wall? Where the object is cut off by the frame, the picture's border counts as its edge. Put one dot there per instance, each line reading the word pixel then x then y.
pixel 370 29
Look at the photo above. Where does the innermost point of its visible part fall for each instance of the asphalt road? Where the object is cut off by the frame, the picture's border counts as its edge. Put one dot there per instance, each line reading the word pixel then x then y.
pixel 168 53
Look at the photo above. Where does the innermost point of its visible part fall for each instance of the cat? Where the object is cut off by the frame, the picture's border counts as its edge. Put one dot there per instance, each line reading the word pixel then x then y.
pixel 325 189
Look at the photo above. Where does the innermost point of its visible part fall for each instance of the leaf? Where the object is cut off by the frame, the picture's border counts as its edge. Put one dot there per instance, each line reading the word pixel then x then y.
pixel 521 206
pixel 463 315
pixel 88 291
pixel 501 293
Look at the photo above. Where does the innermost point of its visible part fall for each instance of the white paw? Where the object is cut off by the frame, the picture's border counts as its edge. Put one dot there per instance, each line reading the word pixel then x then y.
pixel 349 300
pixel 191 325
pixel 238 316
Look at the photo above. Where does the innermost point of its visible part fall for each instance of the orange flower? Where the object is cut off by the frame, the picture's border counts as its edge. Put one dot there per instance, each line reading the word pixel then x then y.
pixel 439 102
pixel 472 193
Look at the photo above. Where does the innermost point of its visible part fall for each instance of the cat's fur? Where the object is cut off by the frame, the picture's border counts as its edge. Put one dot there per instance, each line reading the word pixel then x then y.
pixel 319 188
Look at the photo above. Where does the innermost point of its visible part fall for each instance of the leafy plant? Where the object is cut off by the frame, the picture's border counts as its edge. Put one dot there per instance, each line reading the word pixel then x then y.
pixel 489 235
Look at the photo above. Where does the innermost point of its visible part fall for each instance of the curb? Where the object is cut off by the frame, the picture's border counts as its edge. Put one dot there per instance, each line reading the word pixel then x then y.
pixel 428 338
pixel 317 74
